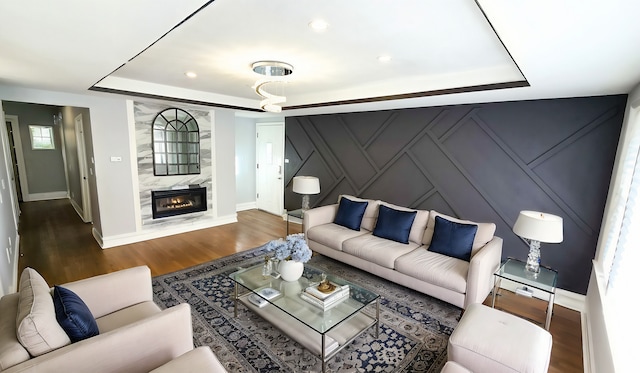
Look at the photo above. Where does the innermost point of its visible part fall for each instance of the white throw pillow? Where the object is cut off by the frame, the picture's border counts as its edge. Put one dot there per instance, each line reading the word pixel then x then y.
pixel 37 328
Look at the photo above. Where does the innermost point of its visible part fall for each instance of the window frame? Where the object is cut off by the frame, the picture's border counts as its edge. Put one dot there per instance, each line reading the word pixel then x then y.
pixel 175 136
pixel 32 138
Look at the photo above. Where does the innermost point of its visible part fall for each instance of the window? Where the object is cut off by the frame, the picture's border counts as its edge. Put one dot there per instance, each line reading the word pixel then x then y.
pixel 41 137
pixel 176 143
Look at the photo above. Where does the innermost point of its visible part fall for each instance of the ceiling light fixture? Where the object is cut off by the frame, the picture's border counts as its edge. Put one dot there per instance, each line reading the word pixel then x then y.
pixel 274 72
pixel 384 58
pixel 191 74
pixel 318 25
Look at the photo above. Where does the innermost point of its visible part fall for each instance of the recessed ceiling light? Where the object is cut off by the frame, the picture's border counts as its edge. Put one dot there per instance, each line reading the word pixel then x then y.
pixel 384 58
pixel 191 74
pixel 318 25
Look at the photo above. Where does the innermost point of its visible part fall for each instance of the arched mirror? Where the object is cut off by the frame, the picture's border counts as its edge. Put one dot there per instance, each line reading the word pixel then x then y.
pixel 176 143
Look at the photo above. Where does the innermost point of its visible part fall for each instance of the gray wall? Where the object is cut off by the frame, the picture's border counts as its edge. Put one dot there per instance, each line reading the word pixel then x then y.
pixel 482 162
pixel 44 168
pixel 245 160
pixel 225 152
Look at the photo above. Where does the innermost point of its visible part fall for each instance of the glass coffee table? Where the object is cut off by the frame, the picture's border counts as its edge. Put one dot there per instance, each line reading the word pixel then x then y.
pixel 323 332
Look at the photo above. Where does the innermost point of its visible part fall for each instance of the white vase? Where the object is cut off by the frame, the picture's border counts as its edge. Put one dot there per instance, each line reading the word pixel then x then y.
pixel 290 270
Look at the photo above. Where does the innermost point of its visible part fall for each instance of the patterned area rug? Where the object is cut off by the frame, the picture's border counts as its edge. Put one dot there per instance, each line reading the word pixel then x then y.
pixel 414 328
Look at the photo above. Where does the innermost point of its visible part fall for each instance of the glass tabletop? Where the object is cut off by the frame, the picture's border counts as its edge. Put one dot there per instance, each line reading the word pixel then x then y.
pixel 514 270
pixel 296 213
pixel 290 299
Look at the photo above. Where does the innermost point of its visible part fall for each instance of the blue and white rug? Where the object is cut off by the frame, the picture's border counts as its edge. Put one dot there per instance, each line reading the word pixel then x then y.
pixel 414 328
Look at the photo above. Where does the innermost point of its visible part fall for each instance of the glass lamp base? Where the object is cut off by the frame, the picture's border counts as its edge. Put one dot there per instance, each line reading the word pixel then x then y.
pixel 305 202
pixel 533 260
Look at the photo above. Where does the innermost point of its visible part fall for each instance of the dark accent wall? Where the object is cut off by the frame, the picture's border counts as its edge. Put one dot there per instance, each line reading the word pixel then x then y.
pixel 482 162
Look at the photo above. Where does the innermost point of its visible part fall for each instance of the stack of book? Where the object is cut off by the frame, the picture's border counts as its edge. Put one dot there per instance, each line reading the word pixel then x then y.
pixel 328 300
pixel 260 299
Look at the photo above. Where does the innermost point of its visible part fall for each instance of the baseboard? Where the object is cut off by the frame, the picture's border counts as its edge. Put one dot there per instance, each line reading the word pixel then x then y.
pixel 586 343
pixel 563 298
pixel 246 206
pixel 125 239
pixel 32 197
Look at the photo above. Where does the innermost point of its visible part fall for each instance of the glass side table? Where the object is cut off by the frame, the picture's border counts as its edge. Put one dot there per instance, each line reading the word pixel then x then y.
pixel 296 214
pixel 514 270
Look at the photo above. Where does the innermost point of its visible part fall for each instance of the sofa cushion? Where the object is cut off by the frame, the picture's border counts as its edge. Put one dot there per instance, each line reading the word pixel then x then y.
pixel 73 315
pixel 370 213
pixel 394 224
pixel 453 239
pixel 483 235
pixel 127 316
pixel 332 235
pixel 36 325
pixel 377 250
pixel 437 269
pixel 419 223
pixel 350 213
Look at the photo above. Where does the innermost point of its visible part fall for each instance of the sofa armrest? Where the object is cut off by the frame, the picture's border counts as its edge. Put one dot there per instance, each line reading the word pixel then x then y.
pixel 318 216
pixel 138 347
pixel 114 291
pixel 481 269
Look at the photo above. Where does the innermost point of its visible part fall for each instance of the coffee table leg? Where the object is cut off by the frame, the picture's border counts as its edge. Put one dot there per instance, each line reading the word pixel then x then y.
pixel 378 318
pixel 496 286
pixel 323 352
pixel 235 300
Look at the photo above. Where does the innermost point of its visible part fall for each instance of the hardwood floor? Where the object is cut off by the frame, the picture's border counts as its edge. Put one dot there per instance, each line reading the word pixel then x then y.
pixel 55 242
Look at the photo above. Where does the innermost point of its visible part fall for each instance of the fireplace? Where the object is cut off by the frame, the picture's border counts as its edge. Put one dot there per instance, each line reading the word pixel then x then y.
pixel 178 201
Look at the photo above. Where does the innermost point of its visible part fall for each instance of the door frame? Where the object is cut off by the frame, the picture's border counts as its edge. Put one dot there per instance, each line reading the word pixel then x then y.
pixel 280 191
pixel 4 137
pixel 17 143
pixel 83 168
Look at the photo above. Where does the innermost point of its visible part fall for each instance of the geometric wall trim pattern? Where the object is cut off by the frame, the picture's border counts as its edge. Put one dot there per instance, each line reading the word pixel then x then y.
pixel 482 162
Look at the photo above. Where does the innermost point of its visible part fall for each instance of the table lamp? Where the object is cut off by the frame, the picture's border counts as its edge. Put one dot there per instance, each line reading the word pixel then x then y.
pixel 306 185
pixel 537 227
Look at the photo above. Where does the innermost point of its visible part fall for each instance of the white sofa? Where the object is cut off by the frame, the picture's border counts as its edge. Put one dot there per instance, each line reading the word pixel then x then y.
pixel 413 265
pixel 135 335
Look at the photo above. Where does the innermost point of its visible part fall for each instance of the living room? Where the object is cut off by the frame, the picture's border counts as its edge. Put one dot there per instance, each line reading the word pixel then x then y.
pixel 112 124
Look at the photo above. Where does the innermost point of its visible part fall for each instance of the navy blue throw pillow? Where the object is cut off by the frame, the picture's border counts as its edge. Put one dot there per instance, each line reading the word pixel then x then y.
pixel 73 315
pixel 350 213
pixel 453 239
pixel 394 224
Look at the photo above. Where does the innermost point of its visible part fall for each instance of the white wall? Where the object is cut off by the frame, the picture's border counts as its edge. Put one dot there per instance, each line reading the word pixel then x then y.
pixel 245 163
pixel 599 357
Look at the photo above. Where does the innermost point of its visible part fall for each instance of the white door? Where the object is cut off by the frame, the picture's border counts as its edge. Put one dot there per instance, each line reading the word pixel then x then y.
pixel 270 167
pixel 84 174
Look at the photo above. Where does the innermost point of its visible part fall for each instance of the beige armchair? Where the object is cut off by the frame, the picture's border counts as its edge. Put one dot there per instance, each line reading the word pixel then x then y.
pixel 135 335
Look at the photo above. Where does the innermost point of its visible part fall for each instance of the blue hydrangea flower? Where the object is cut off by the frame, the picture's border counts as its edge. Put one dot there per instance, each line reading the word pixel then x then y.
pixel 293 247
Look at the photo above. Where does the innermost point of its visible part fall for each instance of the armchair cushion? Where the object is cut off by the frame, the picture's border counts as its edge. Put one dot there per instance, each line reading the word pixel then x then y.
pixel 73 315
pixel 36 325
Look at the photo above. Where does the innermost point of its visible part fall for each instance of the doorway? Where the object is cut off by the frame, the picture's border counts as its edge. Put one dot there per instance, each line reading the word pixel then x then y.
pixel 270 167
pixel 10 120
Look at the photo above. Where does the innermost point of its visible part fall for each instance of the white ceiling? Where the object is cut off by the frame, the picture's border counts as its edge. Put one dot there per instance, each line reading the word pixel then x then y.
pixel 544 48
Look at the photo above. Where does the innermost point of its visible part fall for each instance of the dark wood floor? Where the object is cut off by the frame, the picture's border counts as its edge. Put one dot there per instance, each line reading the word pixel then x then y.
pixel 55 242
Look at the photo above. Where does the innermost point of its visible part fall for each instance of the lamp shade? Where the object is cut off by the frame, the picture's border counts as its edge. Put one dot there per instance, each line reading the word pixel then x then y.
pixel 306 185
pixel 539 226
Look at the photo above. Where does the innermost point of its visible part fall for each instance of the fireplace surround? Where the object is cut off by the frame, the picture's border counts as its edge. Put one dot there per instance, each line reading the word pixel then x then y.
pixel 165 203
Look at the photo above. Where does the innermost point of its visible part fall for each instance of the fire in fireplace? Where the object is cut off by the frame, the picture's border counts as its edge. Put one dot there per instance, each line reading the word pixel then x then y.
pixel 178 201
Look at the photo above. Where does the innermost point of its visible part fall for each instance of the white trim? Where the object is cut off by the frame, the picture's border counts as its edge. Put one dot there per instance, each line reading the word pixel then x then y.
pixel 17 143
pixel 133 157
pixel 587 346
pixel 129 238
pixel 76 207
pixel 13 286
pixel 246 206
pixel 45 196
pixel 564 298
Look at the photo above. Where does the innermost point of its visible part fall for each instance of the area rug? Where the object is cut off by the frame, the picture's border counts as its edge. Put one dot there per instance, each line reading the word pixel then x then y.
pixel 414 328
